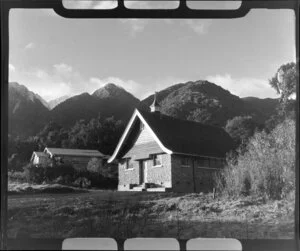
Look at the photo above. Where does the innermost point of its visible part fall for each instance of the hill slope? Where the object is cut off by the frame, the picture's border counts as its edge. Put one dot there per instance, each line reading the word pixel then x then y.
pixel 26 112
pixel 208 103
pixel 54 102
pixel 107 101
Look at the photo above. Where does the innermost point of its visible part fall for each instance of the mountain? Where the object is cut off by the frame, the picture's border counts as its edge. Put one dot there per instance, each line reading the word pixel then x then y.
pixel 160 96
pixel 110 100
pixel 26 112
pixel 208 103
pixel 44 102
pixel 54 102
pixel 200 101
pixel 266 105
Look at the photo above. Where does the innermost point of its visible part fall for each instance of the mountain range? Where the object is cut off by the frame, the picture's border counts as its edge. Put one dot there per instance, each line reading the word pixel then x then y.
pixel 199 101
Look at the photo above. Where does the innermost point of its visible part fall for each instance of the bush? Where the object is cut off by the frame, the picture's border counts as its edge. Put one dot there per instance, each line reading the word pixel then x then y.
pixel 34 174
pixel 94 165
pixel 267 167
pixel 65 174
pixel 98 180
pixel 82 182
pixel 17 176
pixel 52 173
pixel 38 175
pixel 106 170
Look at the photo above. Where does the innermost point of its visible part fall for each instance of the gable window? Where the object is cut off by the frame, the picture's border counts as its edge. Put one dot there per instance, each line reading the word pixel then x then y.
pixel 184 162
pixel 142 126
pixel 157 160
pixel 128 164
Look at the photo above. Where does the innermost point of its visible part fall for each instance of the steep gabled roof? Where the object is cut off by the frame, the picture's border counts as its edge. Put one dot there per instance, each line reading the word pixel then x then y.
pixel 176 136
pixel 74 152
pixel 39 154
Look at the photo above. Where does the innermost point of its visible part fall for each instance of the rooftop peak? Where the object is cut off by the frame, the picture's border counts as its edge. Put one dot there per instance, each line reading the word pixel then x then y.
pixel 155 107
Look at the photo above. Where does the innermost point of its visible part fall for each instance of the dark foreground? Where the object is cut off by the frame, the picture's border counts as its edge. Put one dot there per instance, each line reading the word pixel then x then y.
pixel 124 215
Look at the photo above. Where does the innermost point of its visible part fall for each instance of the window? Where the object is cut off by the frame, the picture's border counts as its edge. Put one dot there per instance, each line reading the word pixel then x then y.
pixel 157 161
pixel 184 162
pixel 203 163
pixel 128 164
pixel 142 126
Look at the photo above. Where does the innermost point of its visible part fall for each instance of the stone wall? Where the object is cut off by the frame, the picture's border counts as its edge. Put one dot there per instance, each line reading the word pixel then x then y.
pixel 128 176
pixel 160 175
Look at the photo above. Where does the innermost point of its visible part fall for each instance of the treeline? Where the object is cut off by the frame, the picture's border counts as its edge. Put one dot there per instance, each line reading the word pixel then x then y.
pixel 98 133
pixel 263 164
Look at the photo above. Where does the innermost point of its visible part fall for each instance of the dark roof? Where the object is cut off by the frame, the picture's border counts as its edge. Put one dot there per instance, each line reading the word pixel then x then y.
pixel 188 137
pixel 75 152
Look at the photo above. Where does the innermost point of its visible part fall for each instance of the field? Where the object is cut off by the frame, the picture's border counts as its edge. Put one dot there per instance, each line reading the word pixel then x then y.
pixel 130 214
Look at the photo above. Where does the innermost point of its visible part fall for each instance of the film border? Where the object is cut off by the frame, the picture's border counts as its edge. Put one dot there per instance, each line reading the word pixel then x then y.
pixel 121 11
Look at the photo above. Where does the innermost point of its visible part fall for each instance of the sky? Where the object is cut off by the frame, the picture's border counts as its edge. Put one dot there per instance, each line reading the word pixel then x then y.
pixel 55 56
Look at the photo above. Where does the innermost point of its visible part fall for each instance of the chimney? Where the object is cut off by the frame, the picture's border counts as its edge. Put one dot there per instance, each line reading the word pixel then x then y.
pixel 155 107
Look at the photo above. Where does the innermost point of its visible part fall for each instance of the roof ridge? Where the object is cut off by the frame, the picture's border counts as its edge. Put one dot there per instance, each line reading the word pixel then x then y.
pixel 179 119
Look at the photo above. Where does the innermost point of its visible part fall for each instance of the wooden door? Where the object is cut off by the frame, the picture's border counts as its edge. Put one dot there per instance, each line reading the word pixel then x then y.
pixel 143 171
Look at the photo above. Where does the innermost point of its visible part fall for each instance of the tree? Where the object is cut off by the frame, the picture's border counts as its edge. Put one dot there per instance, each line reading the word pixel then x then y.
pixel 51 135
pixel 284 82
pixel 94 165
pixel 241 128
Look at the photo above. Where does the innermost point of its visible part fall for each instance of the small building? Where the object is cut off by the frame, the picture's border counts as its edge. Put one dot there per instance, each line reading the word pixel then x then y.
pixel 161 153
pixel 40 159
pixel 78 158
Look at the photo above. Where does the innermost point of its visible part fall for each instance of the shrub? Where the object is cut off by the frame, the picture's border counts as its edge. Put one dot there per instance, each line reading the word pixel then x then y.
pixel 17 176
pixel 34 174
pixel 267 167
pixel 52 173
pixel 82 182
pixel 106 170
pixel 65 174
pixel 38 175
pixel 94 165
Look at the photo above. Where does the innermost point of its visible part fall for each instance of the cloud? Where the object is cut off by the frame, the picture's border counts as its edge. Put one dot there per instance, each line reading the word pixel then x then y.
pixel 29 46
pixel 11 68
pixel 140 90
pixel 244 87
pixel 63 68
pixel 200 27
pixel 135 25
pixel 129 85
pixel 60 79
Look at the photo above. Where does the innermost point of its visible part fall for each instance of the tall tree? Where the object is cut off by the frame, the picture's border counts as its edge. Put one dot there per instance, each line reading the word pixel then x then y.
pixel 284 82
pixel 241 128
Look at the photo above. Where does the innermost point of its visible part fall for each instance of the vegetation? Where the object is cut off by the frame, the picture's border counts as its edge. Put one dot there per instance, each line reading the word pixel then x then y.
pixel 66 175
pixel 99 133
pixel 241 128
pixel 284 82
pixel 267 167
pixel 135 214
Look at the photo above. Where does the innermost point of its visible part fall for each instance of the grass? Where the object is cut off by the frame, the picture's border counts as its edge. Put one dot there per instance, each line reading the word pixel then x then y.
pixel 15 188
pixel 132 214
